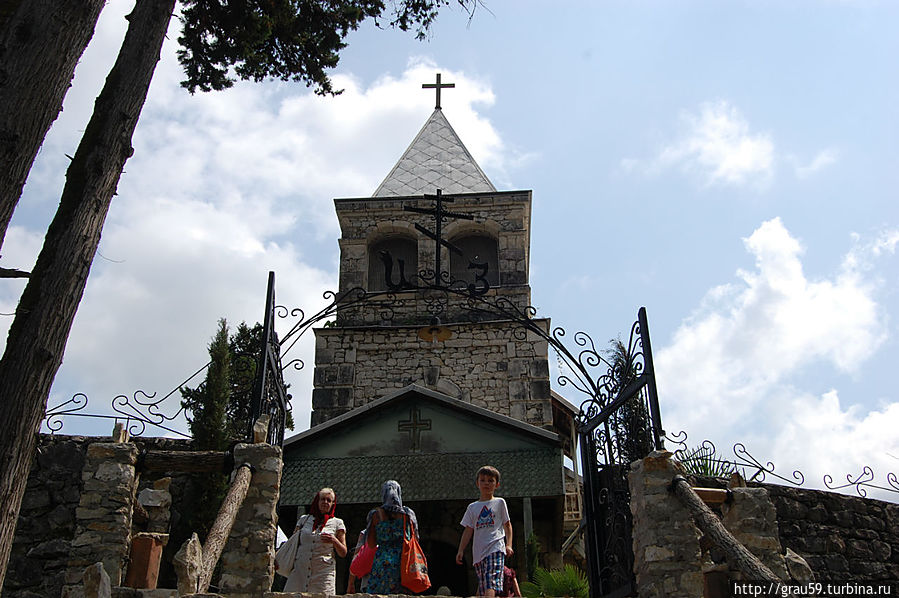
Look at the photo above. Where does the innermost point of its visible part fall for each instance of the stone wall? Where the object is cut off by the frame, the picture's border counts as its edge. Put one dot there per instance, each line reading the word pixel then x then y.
pixel 667 555
pixel 103 516
pixel 504 216
pixel 47 520
pixel 497 366
pixel 247 562
pixel 798 534
pixel 46 524
pixel 841 537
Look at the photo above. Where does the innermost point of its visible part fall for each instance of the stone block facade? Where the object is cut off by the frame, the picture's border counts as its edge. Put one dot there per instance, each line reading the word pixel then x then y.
pixel 800 534
pixel 750 516
pixel 502 216
pixel 46 525
pixel 103 516
pixel 248 561
pixel 841 537
pixel 497 365
pixel 667 554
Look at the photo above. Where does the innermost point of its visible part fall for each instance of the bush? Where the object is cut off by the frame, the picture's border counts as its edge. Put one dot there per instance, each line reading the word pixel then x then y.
pixel 569 582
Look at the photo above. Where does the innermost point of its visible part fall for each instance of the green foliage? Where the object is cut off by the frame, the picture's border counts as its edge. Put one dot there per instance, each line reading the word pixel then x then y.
pixel 205 408
pixel 238 356
pixel 532 554
pixel 703 460
pixel 285 39
pixel 205 405
pixel 569 582
pixel 631 421
pixel 218 413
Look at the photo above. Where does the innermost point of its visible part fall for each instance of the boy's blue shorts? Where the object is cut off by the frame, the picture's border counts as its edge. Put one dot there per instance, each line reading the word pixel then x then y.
pixel 490 572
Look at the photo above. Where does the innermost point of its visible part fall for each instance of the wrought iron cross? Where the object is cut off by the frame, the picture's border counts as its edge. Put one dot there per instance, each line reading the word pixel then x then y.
pixel 414 425
pixel 439 216
pixel 438 86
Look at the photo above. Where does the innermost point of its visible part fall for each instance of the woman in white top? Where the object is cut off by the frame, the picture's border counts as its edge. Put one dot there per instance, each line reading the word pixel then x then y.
pixel 321 535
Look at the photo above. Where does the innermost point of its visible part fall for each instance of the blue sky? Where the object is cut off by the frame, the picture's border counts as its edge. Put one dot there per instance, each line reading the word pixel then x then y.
pixel 732 166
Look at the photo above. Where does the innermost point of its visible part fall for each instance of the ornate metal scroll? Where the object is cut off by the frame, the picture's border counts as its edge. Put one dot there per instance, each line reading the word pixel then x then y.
pixel 138 411
pixel 756 470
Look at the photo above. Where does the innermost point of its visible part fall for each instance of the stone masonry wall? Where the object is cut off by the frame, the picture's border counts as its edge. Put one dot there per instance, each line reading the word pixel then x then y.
pixel 46 524
pixel 841 537
pixel 248 559
pixel 497 366
pixel 103 516
pixel 503 215
pixel 47 519
pixel 667 555
pixel 838 537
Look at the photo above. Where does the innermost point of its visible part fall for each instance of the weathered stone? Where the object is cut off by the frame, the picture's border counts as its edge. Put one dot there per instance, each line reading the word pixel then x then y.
pixel 104 451
pixel 96 582
pixel 50 549
pixel 797 567
pixel 120 432
pixel 187 562
pixel 154 498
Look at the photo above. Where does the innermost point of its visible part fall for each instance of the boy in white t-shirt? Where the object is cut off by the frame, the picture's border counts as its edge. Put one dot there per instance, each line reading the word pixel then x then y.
pixel 487 520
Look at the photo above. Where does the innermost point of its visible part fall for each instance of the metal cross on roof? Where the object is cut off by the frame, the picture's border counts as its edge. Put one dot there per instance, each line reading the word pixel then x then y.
pixel 438 86
pixel 439 216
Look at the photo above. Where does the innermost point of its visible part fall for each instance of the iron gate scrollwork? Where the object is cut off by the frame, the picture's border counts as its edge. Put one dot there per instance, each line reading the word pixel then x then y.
pixel 619 424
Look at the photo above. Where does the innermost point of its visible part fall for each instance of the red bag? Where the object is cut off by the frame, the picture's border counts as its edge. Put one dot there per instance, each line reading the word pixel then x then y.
pixel 413 564
pixel 362 562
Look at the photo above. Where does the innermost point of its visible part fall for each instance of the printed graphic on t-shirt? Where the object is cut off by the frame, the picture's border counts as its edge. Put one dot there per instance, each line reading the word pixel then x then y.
pixel 485 519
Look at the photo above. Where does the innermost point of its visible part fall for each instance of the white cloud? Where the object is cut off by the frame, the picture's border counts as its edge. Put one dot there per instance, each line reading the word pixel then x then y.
pixel 731 369
pixel 222 188
pixel 822 160
pixel 719 147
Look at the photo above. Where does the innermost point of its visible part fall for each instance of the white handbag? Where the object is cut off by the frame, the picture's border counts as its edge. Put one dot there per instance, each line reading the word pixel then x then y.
pixel 287 554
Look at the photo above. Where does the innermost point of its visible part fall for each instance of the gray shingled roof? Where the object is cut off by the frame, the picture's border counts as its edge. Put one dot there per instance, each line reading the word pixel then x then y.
pixel 436 159
pixel 533 473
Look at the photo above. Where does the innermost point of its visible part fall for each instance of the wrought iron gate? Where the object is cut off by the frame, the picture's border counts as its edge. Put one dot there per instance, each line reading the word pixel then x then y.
pixel 270 393
pixel 620 424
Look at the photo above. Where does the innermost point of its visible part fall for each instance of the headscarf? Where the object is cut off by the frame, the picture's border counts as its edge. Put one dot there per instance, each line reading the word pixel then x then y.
pixel 392 502
pixel 319 518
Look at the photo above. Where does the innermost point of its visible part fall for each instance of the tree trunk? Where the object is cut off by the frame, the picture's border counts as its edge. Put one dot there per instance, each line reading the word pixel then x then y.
pixel 40 44
pixel 37 337
pixel 221 529
pixel 708 522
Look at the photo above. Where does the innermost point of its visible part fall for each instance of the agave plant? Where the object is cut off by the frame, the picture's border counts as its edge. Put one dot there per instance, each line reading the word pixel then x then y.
pixel 704 461
pixel 569 582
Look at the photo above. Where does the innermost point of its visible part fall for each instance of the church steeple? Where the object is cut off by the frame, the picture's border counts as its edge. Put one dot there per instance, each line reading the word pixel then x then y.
pixel 436 159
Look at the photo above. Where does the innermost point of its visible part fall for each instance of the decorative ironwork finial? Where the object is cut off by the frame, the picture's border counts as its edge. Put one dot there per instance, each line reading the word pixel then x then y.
pixel 438 86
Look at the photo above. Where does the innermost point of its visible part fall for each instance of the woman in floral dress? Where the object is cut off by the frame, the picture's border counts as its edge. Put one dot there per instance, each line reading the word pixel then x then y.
pixel 386 533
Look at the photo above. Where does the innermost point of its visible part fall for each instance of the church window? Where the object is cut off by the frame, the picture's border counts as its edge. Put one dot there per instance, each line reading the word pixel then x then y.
pixel 398 255
pixel 477 249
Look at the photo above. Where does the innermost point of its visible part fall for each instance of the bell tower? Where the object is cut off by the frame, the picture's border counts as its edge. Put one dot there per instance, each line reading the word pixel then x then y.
pixel 435 220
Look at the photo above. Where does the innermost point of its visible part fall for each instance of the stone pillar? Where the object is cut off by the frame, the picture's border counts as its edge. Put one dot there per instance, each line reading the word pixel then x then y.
pixel 103 516
pixel 751 517
pixel 248 561
pixel 667 556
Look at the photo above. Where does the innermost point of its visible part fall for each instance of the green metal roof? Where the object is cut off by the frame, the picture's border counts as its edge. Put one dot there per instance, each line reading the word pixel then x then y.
pixel 531 473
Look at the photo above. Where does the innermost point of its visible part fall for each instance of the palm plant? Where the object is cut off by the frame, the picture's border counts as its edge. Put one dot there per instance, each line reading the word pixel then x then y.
pixel 568 582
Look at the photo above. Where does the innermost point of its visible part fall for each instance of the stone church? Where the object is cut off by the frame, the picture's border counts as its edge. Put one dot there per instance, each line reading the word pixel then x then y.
pixel 401 394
